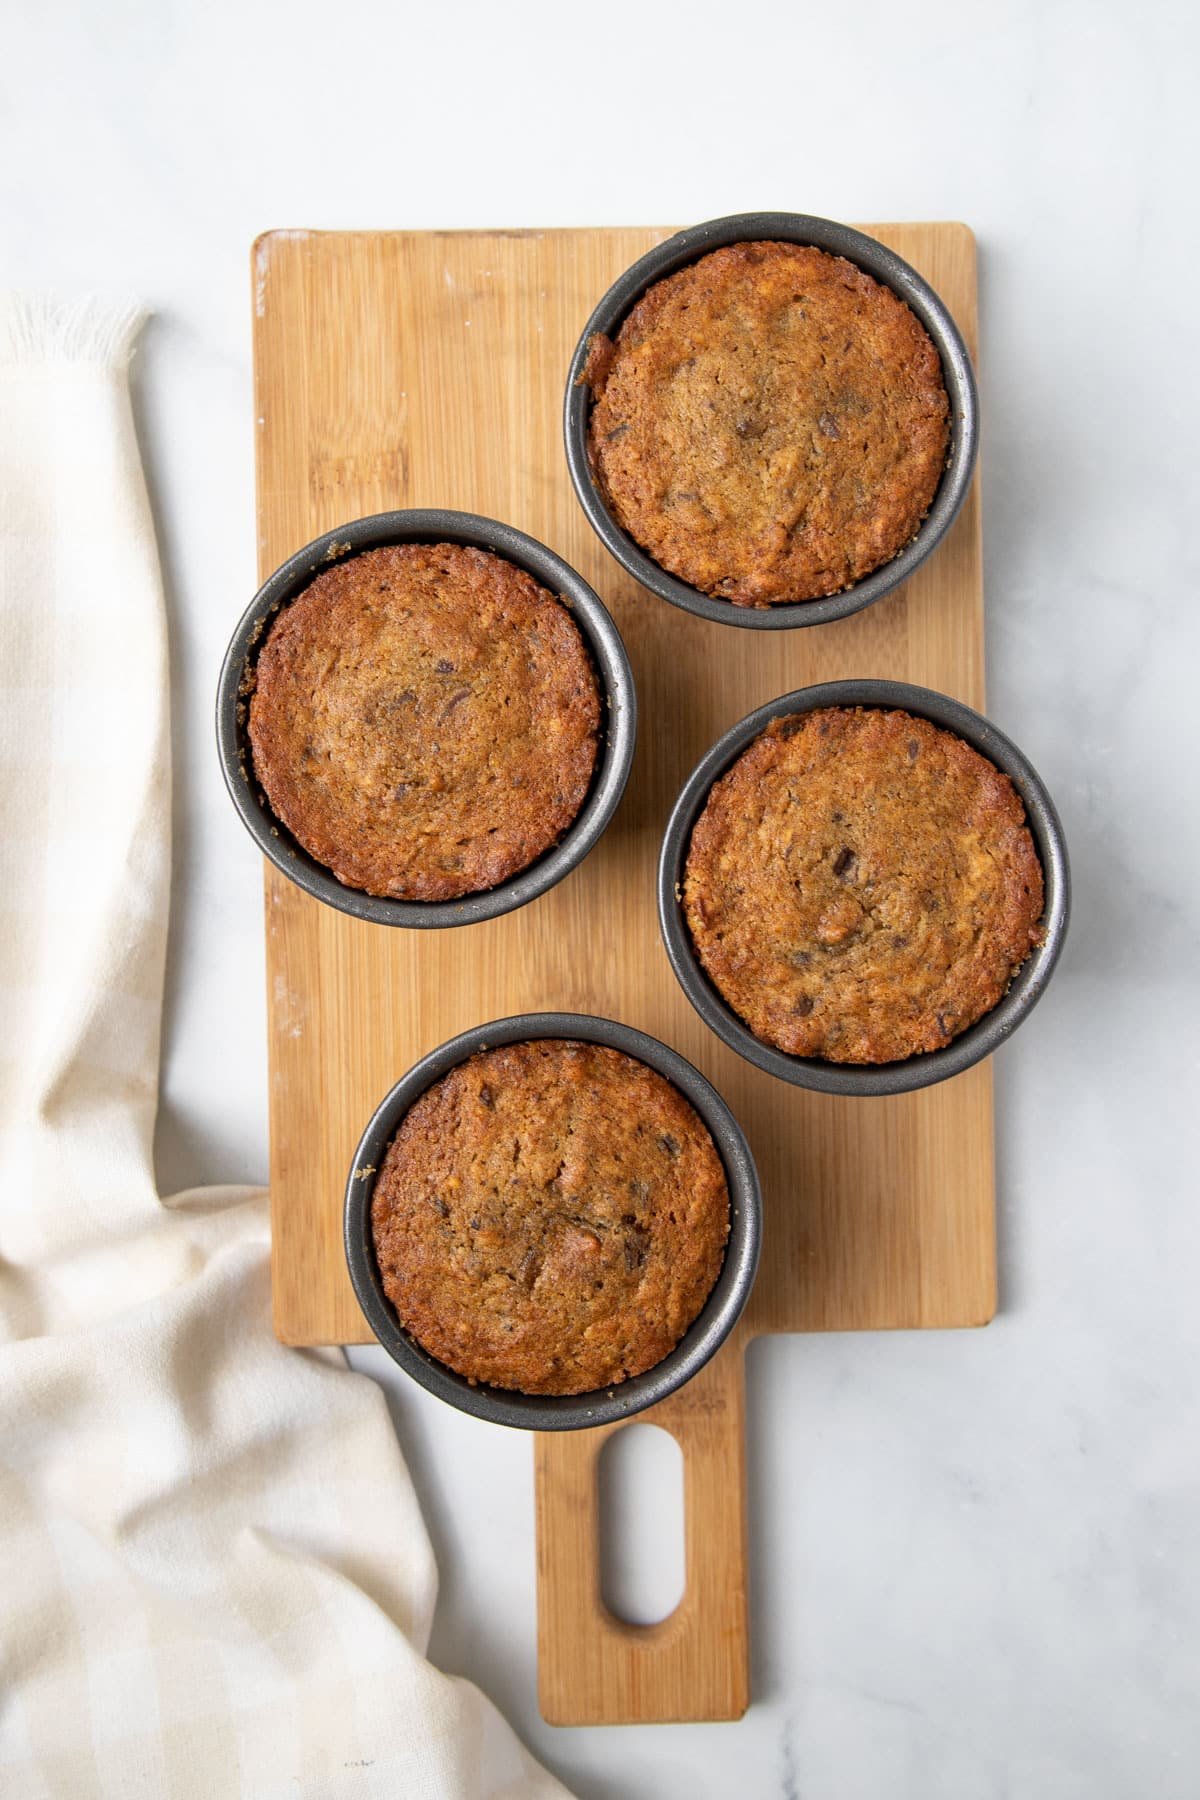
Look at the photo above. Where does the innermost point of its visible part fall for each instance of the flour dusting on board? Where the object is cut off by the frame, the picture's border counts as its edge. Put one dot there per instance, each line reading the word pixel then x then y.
pixel 262 258
pixel 291 1008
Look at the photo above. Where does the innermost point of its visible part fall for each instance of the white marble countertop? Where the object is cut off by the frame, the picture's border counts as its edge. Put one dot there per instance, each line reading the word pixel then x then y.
pixel 975 1571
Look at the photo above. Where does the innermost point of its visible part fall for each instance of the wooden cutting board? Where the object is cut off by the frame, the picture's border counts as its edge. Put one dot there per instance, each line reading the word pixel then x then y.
pixel 401 369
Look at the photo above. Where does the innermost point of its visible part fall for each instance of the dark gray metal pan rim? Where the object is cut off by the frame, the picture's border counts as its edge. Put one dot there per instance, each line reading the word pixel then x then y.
pixel 430 525
pixel 886 267
pixel 566 1412
pixel 980 1039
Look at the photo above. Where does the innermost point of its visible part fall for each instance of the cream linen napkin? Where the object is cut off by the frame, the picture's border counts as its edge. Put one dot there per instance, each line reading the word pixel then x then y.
pixel 214 1578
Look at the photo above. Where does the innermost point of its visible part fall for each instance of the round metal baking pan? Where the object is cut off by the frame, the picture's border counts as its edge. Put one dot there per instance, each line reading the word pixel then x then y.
pixel 980 1039
pixel 560 1412
pixel 886 267
pixel 429 526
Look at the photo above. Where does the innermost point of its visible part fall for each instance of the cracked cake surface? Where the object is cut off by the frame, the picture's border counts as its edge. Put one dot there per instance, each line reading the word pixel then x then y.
pixel 770 423
pixel 862 885
pixel 550 1217
pixel 425 720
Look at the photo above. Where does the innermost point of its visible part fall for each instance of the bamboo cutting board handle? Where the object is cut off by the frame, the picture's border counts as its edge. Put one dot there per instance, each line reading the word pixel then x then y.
pixel 594 1669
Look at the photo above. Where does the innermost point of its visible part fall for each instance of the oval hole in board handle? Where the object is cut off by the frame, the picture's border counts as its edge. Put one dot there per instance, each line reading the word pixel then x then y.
pixel 642 1568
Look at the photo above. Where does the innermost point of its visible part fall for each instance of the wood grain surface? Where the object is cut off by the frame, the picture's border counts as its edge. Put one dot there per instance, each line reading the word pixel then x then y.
pixel 426 369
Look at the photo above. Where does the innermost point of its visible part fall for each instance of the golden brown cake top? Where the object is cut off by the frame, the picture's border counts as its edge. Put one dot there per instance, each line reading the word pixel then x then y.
pixel 862 885
pixel 770 425
pixel 425 720
pixel 551 1216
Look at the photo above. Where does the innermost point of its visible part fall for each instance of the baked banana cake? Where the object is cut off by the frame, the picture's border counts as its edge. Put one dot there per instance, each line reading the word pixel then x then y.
pixel 861 885
pixel 424 720
pixel 770 424
pixel 551 1216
